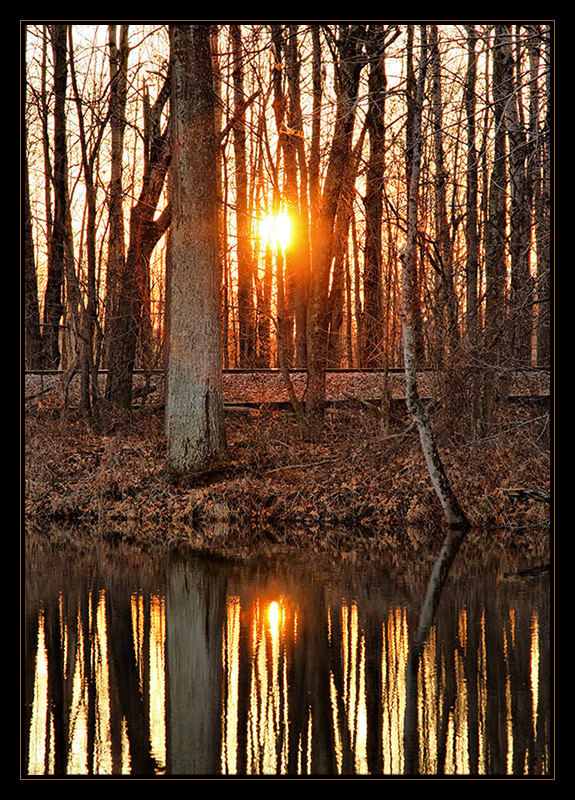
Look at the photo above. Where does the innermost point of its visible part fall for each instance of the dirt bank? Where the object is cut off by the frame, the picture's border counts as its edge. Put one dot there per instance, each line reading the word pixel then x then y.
pixel 360 489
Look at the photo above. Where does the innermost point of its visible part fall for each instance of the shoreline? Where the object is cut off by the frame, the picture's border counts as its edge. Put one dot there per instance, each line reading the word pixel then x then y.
pixel 359 491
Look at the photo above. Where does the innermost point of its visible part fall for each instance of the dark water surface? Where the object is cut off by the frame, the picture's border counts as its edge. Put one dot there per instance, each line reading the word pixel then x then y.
pixel 181 665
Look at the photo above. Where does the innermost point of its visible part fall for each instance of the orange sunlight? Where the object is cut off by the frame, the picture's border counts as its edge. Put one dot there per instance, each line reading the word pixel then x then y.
pixel 275 229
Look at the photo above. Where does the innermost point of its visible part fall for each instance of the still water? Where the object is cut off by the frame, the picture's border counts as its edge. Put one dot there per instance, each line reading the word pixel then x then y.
pixel 182 665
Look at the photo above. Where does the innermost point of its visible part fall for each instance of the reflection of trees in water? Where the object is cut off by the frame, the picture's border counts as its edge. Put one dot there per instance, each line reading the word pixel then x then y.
pixel 497 655
pixel 195 616
pixel 332 691
pixel 437 580
pixel 94 714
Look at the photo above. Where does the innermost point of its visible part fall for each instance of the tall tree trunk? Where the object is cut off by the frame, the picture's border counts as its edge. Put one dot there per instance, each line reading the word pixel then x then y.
pixel 298 253
pixel 244 250
pixel 540 180
pixel 335 300
pixel 263 279
pixel 453 513
pixel 447 334
pixel 194 401
pixel 373 274
pixel 32 332
pixel 336 297
pixel 145 232
pixel 119 53
pixel 58 246
pixel 89 393
pixel 411 86
pixel 315 144
pixel 347 67
pixel 521 289
pixel 472 311
pixel 495 239
pixel 287 147
pixel 222 240
pixel 471 226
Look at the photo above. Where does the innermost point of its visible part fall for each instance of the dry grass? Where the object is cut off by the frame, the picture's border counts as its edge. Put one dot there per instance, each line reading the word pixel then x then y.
pixel 357 484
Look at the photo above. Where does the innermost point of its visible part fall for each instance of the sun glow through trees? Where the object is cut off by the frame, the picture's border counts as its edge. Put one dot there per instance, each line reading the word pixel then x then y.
pixel 275 229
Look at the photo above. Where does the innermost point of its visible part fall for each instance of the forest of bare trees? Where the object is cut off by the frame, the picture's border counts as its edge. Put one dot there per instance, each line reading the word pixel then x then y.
pixel 414 152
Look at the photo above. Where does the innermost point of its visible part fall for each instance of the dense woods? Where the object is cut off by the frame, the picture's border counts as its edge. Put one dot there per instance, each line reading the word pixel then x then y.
pixel 412 163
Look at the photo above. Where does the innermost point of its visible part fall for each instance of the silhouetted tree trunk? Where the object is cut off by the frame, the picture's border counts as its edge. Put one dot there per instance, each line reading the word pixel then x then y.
pixel 447 333
pixel 287 146
pixel 58 252
pixel 89 393
pixel 315 144
pixel 471 225
pixel 118 56
pixel 539 115
pixel 335 300
pixel 298 252
pixel 145 232
pixel 348 67
pixel 373 322
pixel 32 332
pixel 194 403
pixel 263 278
pixel 521 289
pixel 495 238
pixel 246 321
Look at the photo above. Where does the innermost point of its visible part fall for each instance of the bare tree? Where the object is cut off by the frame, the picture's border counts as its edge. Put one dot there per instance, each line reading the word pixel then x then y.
pixel 118 60
pixel 89 392
pixel 495 238
pixel 32 332
pixel 348 62
pixel 58 251
pixel 146 230
pixel 298 253
pixel 442 256
pixel 539 171
pixel 471 226
pixel 521 288
pixel 244 250
pixel 378 39
pixel 452 510
pixel 194 405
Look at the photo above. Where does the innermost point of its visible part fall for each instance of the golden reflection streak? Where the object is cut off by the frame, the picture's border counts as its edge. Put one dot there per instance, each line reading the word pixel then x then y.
pixel 157 689
pixel 99 650
pixel 508 700
pixel 268 713
pixel 97 671
pixel 150 660
pixel 231 667
pixel 393 661
pixel 482 697
pixel 262 704
pixel 268 704
pixel 534 669
pixel 460 733
pixel 95 677
pixel 138 619
pixel 77 756
pixel 354 691
pixel 336 724
pixel 39 736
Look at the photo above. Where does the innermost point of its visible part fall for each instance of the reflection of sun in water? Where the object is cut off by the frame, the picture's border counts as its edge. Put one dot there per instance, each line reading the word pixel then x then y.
pixel 274 616
pixel 275 229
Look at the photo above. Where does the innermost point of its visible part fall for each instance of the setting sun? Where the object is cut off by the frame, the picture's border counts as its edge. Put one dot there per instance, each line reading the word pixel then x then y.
pixel 275 229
